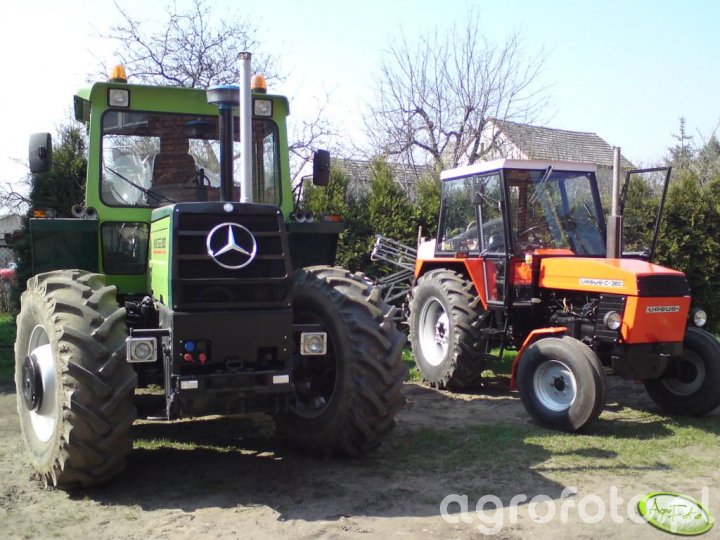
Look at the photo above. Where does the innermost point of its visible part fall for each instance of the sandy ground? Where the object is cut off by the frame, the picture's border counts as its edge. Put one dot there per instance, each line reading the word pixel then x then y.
pixel 260 489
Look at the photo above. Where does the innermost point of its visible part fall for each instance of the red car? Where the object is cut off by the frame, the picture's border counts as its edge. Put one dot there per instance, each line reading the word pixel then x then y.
pixel 7 275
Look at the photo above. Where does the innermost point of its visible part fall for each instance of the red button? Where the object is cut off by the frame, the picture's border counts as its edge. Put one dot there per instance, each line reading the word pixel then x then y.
pixel 188 357
pixel 203 357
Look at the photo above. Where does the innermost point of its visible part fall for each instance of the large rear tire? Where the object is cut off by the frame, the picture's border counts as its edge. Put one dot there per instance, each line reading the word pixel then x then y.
pixel 692 381
pixel 446 318
pixel 74 387
pixel 562 385
pixel 347 399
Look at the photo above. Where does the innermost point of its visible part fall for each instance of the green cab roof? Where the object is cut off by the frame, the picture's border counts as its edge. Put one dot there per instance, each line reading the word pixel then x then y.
pixel 155 98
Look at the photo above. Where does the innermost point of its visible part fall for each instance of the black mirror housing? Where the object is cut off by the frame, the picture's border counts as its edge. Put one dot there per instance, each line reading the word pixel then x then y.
pixel 40 152
pixel 321 168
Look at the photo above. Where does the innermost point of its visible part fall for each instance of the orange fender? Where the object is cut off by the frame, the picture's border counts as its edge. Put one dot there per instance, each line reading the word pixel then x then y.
pixel 532 337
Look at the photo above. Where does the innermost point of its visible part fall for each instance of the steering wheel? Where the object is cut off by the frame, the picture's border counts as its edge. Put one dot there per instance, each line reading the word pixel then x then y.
pixel 532 236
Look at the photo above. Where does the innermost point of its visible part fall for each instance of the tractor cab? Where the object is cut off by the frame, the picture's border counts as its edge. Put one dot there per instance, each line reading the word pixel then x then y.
pixel 526 210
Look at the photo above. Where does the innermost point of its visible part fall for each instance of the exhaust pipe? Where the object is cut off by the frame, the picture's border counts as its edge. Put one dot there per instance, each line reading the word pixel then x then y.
pixel 225 98
pixel 246 195
pixel 614 227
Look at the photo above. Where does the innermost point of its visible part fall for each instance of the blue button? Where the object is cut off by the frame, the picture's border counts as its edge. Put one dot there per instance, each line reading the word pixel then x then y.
pixel 189 346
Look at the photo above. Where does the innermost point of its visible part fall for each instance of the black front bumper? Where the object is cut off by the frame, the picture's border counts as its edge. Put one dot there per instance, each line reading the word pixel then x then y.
pixel 248 365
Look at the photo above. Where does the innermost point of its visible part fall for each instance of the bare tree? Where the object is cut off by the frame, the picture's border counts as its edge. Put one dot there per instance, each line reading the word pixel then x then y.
pixel 193 49
pixel 307 135
pixel 435 98
pixel 14 196
pixel 197 49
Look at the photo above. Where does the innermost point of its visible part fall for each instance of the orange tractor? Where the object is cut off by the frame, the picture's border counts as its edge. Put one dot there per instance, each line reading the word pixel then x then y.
pixel 521 262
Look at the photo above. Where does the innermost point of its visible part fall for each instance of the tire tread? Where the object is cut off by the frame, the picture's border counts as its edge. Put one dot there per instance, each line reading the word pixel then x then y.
pixel 98 409
pixel 374 358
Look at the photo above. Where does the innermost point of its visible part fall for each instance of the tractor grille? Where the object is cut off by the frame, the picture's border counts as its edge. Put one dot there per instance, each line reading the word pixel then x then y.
pixel 200 283
pixel 608 302
pixel 662 286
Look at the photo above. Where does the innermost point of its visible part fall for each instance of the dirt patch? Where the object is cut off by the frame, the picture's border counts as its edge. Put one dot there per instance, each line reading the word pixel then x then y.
pixel 227 478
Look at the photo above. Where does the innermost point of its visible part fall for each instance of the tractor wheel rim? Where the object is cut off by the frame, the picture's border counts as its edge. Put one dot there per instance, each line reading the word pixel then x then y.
pixel 43 419
pixel 691 378
pixel 555 385
pixel 434 332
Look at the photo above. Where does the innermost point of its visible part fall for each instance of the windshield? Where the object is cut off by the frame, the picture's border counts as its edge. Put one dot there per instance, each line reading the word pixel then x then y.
pixel 558 210
pixel 152 159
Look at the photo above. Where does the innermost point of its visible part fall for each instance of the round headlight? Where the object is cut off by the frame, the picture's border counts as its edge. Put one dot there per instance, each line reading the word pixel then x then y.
pixel 142 351
pixel 315 344
pixel 613 320
pixel 699 317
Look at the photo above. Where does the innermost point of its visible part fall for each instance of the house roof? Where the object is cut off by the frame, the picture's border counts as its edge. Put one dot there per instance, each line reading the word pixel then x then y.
pixel 545 143
pixel 359 173
pixel 10 223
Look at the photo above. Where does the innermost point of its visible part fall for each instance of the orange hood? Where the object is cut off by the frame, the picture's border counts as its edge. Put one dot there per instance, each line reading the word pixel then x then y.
pixel 613 276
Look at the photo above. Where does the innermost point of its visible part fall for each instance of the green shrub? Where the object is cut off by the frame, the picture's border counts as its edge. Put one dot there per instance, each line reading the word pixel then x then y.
pixel 690 242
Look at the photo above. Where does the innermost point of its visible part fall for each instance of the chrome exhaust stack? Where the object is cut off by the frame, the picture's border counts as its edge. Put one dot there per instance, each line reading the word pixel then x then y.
pixel 246 194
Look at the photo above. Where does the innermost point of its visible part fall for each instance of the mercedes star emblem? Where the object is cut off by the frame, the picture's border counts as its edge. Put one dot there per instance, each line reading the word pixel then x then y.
pixel 231 246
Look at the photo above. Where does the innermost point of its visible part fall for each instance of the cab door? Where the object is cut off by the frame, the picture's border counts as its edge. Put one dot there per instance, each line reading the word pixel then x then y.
pixel 493 237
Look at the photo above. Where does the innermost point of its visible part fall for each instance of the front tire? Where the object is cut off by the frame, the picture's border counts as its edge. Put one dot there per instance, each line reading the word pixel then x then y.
pixel 692 381
pixel 74 388
pixel 561 385
pixel 347 399
pixel 446 319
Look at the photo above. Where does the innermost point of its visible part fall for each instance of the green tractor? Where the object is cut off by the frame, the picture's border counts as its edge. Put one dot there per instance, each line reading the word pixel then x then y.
pixel 174 275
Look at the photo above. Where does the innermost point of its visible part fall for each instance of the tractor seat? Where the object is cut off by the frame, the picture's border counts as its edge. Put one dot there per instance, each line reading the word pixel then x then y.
pixel 173 169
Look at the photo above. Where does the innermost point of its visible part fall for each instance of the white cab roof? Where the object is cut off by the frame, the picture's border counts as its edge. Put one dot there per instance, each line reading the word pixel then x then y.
pixel 496 164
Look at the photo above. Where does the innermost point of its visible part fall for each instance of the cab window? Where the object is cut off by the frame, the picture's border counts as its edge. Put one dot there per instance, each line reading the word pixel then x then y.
pixel 152 159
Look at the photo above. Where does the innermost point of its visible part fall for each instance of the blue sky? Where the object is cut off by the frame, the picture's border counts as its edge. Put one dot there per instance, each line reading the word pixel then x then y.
pixel 625 70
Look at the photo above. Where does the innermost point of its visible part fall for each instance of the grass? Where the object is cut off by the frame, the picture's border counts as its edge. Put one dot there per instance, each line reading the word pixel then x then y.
pixel 162 443
pixel 624 440
pixel 687 447
pixel 497 368
pixel 7 340
pixel 413 372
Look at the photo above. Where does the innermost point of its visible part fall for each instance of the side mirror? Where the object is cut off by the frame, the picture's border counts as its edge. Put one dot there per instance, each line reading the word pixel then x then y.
pixel 40 153
pixel 321 167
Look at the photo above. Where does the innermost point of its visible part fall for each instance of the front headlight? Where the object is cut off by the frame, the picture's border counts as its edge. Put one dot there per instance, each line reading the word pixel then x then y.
pixel 141 349
pixel 118 97
pixel 699 317
pixel 262 107
pixel 313 343
pixel 613 320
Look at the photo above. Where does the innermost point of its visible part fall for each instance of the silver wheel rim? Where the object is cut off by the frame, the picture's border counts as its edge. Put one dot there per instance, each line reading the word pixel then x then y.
pixel 434 332
pixel 43 420
pixel 555 386
pixel 685 388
